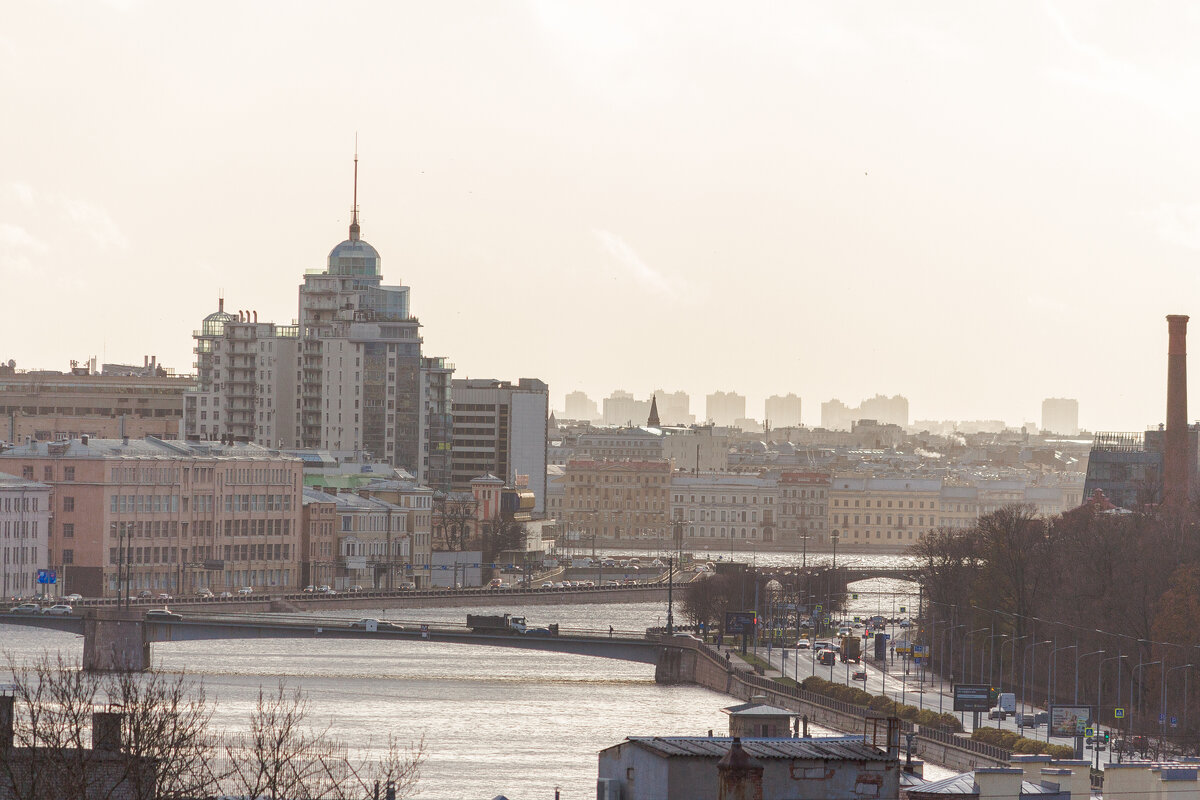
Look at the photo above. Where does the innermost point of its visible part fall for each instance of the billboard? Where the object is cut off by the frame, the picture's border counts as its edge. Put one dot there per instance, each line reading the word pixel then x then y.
pixel 739 622
pixel 1069 721
pixel 45 575
pixel 972 697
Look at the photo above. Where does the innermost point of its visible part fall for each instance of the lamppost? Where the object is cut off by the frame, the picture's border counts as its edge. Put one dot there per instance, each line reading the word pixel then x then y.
pixel 966 638
pixel 950 650
pixel 1052 679
pixel 833 537
pixel 1033 665
pixel 1185 699
pixel 1012 666
pixel 1133 680
pixel 1077 658
pixel 1100 679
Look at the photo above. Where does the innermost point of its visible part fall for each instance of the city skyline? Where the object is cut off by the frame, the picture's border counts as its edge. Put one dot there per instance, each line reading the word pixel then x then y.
pixel 872 203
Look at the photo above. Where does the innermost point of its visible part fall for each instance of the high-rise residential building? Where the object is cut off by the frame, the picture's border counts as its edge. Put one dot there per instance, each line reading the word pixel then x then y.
pixel 1060 415
pixel 725 408
pixel 348 377
pixel 837 416
pixel 674 408
pixel 500 429
pixel 163 516
pixel 580 407
pixel 48 405
pixel 782 411
pixel 25 526
pixel 620 408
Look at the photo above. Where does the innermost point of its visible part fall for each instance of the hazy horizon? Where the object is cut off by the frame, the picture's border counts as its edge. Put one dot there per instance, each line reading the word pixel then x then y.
pixel 959 204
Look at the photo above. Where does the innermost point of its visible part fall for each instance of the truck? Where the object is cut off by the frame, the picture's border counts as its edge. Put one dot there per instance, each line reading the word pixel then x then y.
pixel 851 649
pixel 496 623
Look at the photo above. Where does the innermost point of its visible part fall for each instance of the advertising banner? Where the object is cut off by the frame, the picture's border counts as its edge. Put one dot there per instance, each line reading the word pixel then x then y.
pixel 737 622
pixel 1069 721
pixel 971 697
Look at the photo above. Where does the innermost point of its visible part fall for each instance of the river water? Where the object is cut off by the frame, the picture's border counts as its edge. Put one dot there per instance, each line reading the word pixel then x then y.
pixel 495 720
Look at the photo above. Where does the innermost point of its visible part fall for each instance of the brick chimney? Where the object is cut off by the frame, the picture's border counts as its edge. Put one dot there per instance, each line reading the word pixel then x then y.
pixel 1176 475
pixel 739 776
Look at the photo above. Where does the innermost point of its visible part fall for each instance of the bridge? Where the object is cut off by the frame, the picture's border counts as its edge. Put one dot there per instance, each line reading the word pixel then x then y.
pixel 120 640
pixel 856 573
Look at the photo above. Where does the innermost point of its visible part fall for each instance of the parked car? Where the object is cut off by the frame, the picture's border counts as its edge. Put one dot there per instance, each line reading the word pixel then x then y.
pixel 73 598
pixel 62 609
pixel 246 590
pixel 163 615
pixel 26 608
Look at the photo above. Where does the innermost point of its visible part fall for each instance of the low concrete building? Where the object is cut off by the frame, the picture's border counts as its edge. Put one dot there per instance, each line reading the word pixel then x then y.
pixel 830 768
pixel 756 718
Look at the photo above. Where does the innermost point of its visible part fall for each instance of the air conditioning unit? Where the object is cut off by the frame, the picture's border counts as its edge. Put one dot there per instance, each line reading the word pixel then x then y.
pixel 608 789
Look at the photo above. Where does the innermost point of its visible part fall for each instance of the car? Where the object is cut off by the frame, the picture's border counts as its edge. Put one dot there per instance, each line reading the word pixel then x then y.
pixel 73 598
pixel 165 596
pixel 822 646
pixel 355 589
pixel 843 631
pixel 859 675
pixel 62 609
pixel 246 590
pixel 226 595
pixel 547 585
pixel 145 594
pixel 997 713
pixel 310 588
pixel 26 608
pixel 204 593
pixel 163 615
pixel 905 623
pixel 380 624
pixel 806 625
pixel 858 626
pixel 804 644
pixel 496 583
pixel 324 589
pixel 408 586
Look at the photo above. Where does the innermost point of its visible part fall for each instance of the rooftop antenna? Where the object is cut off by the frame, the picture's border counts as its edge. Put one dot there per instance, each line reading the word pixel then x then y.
pixel 354 208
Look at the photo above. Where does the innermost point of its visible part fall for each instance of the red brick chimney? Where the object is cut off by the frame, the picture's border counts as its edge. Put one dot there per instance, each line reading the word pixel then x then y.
pixel 1176 474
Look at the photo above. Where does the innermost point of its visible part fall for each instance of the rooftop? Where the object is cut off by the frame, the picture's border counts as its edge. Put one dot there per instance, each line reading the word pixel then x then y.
pixel 833 748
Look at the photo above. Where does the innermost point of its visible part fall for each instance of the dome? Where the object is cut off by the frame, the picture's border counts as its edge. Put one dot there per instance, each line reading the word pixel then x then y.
pixel 354 257
pixel 214 323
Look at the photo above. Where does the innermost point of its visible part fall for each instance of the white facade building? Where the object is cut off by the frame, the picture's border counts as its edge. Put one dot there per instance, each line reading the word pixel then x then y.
pixel 24 534
pixel 713 507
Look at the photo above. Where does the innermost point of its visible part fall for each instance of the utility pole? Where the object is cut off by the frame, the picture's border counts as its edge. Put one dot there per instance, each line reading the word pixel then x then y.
pixel 670 598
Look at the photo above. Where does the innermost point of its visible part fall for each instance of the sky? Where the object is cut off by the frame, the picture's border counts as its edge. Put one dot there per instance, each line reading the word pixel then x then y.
pixel 977 206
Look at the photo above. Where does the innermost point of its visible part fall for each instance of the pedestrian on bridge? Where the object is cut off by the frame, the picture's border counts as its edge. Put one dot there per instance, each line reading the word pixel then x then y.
pixel 610 631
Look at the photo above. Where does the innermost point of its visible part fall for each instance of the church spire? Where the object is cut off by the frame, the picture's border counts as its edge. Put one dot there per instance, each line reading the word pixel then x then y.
pixel 354 229
pixel 653 422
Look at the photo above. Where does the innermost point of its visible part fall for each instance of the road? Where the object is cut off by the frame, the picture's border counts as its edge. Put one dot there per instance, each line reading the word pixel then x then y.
pixel 900 680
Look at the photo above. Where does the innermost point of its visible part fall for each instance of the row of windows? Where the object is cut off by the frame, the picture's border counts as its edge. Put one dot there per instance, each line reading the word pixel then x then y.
pixel 20 530
pixel 18 504
pixel 879 503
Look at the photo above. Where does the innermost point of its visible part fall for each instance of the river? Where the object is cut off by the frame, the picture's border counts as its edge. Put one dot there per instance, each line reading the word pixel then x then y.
pixel 495 720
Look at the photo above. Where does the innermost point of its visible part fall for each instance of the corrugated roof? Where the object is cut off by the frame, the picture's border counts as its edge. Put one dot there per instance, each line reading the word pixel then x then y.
pixel 759 710
pixel 964 784
pixel 824 749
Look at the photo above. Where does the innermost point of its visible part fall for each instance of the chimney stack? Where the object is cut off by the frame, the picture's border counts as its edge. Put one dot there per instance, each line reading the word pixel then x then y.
pixel 1176 475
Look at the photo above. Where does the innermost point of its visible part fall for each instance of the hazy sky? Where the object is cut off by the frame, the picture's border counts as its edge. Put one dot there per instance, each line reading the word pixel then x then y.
pixel 976 205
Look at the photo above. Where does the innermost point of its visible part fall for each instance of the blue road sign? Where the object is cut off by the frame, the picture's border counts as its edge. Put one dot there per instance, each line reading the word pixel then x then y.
pixel 1174 722
pixel 47 576
pixel 1162 718
pixel 1118 713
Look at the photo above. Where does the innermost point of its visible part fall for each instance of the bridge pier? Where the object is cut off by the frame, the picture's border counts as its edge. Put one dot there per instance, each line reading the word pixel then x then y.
pixel 115 644
pixel 675 665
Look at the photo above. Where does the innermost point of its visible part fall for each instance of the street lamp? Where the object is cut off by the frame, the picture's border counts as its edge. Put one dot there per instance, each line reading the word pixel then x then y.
pixel 1077 658
pixel 942 692
pixel 1185 692
pixel 1133 680
pixel 1033 665
pixel 1012 667
pixel 833 537
pixel 1052 678
pixel 966 638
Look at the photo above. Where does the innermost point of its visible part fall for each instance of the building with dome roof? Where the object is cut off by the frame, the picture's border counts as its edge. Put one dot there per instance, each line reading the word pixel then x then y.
pixel 347 376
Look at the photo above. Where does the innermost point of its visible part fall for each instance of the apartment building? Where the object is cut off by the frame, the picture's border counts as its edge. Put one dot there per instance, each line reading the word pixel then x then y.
pixel 725 408
pixel 415 504
pixel 374 547
pixel 500 429
pixel 719 508
pixel 867 512
pixel 618 500
pixel 24 534
pixel 166 516
pixel 803 509
pixel 318 539
pixel 619 444
pixel 782 411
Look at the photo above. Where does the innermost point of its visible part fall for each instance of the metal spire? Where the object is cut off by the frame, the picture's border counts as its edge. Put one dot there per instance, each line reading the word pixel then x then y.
pixel 354 229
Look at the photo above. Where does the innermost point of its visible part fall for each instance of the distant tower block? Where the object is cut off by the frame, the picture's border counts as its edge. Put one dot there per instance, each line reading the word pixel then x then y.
pixel 1176 475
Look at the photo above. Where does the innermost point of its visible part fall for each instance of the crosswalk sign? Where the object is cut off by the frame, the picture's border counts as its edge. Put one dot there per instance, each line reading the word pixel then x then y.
pixel 1118 713
pixel 854 595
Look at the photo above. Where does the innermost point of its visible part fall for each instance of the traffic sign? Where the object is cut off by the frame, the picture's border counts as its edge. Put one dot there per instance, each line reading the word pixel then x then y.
pixel 903 610
pixel 47 576
pixel 1174 722
pixel 854 595
pixel 1162 718
pixel 1118 713
pixel 1089 732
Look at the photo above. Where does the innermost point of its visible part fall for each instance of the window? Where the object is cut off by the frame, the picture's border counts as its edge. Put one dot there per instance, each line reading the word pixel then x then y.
pixel 68 557
pixel 68 504
pixel 27 472
pixel 68 473
pixel 47 473
pixel 68 530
